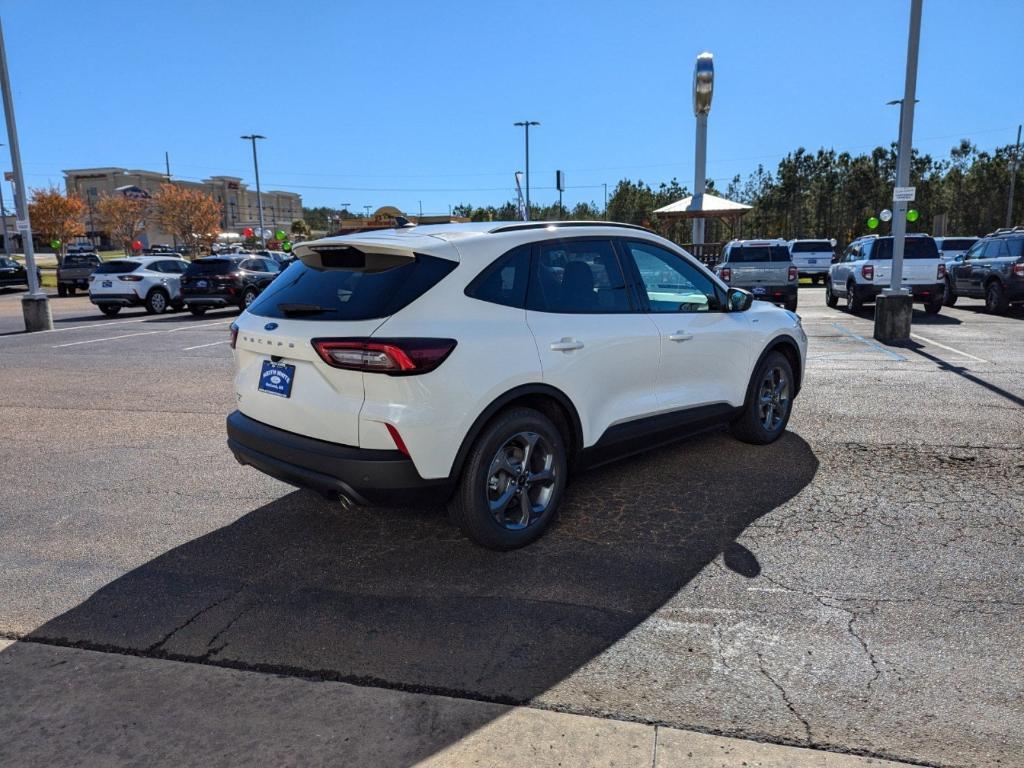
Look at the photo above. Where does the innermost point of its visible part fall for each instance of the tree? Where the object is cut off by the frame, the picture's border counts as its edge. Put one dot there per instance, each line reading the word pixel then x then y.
pixel 300 228
pixel 123 217
pixel 192 216
pixel 57 216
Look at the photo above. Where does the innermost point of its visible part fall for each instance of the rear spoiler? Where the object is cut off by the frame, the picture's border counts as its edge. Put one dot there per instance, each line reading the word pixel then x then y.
pixel 362 257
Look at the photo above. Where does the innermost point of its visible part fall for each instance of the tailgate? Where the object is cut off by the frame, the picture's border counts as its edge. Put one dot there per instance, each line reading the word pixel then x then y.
pixel 759 273
pixel 915 272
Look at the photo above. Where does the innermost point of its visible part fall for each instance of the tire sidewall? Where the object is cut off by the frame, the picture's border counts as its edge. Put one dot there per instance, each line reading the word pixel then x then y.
pixel 748 426
pixel 151 297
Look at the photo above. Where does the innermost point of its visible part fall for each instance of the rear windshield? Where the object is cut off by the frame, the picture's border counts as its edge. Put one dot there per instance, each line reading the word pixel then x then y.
pixel 116 267
pixel 344 294
pixel 211 267
pixel 957 243
pixel 81 260
pixel 914 248
pixel 762 253
pixel 812 246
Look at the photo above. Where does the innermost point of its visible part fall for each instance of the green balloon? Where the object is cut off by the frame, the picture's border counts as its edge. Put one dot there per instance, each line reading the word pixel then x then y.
pixel 912 215
pixel 873 223
pixel 286 246
pixel 280 234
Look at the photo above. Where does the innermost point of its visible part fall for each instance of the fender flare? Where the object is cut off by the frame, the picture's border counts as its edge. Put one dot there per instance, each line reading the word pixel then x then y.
pixel 782 340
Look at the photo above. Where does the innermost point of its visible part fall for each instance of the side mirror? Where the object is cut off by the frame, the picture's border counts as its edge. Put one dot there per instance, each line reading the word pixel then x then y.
pixel 739 300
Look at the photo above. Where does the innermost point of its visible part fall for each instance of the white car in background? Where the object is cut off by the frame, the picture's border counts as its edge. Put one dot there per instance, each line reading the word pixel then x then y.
pixel 812 258
pixel 475 364
pixel 153 282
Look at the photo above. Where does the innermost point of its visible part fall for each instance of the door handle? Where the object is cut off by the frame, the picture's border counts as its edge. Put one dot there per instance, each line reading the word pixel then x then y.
pixel 680 336
pixel 566 345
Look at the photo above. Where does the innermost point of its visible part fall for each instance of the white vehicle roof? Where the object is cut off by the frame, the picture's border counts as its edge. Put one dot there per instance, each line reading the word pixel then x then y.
pixel 144 260
pixel 775 241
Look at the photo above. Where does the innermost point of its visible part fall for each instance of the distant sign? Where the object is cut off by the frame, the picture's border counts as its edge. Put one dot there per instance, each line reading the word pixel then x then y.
pixel 904 194
pixel 21 225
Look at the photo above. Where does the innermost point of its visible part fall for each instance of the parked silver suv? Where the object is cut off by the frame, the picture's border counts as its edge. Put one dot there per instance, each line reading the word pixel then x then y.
pixel 763 267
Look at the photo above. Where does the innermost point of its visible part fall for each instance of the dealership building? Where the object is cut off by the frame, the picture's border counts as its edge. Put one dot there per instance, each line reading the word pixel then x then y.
pixel 238 204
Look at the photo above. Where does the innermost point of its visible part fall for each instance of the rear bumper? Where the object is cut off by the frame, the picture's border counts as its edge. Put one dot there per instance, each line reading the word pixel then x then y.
pixel 776 293
pixel 212 300
pixel 925 293
pixel 367 477
pixel 116 299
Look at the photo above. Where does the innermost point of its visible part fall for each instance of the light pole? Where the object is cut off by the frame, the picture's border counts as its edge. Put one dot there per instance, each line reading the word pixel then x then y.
pixel 893 309
pixel 1009 202
pixel 526 124
pixel 703 89
pixel 35 307
pixel 3 217
pixel 259 197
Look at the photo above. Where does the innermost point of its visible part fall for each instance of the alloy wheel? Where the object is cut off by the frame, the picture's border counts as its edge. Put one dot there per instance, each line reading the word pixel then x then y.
pixel 773 399
pixel 521 480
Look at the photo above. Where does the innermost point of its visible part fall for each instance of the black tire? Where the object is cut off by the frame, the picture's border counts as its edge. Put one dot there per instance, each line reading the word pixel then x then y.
pixel 197 310
pixel 157 302
pixel 71 290
pixel 815 279
pixel 934 306
pixel 248 297
pixel 949 296
pixel 62 290
pixel 996 302
pixel 854 303
pixel 831 299
pixel 482 477
pixel 110 309
pixel 751 425
pixel 790 304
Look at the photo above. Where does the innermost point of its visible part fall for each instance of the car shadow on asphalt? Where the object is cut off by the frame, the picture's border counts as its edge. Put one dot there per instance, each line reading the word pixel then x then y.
pixel 397 598
pixel 963 372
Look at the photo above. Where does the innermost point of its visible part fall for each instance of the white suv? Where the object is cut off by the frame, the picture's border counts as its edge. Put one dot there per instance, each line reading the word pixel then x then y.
pixel 865 270
pixel 477 363
pixel 153 282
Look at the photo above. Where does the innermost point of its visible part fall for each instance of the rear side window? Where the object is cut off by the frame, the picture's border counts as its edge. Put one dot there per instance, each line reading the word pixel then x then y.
pixel 504 281
pixel 1016 246
pixel 996 249
pixel 741 254
pixel 812 246
pixel 349 294
pixel 211 267
pixel 577 277
pixel 913 248
pixel 117 267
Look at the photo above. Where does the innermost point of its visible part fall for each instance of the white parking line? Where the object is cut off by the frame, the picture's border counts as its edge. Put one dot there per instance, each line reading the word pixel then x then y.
pixel 873 344
pixel 211 344
pixel 141 333
pixel 949 349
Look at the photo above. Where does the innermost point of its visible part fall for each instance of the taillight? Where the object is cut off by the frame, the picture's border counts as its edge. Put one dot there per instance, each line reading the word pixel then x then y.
pixel 868 271
pixel 234 334
pixel 794 273
pixel 1018 269
pixel 941 272
pixel 130 278
pixel 725 273
pixel 395 357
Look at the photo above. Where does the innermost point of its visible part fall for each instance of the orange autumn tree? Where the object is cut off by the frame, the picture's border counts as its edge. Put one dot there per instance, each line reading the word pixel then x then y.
pixel 192 216
pixel 123 217
pixel 57 216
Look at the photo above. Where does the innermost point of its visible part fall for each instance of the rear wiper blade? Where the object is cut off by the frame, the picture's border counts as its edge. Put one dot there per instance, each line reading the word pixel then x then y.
pixel 304 309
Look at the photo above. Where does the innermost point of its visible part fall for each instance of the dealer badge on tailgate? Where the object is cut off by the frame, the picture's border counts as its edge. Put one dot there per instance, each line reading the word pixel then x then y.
pixel 276 378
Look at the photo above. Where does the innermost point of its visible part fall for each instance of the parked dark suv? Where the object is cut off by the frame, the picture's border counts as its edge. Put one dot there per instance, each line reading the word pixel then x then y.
pixel 992 269
pixel 226 281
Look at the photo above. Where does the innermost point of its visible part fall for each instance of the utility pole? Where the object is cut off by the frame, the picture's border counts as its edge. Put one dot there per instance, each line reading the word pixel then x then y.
pixel 1013 180
pixel 259 197
pixel 605 185
pixel 3 217
pixel 167 163
pixel 894 308
pixel 35 307
pixel 526 124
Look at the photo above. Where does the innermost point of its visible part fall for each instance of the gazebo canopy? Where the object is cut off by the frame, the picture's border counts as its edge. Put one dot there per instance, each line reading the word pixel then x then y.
pixel 706 206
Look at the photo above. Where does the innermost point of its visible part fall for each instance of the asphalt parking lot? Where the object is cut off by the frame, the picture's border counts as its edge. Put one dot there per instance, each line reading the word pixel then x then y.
pixel 855 587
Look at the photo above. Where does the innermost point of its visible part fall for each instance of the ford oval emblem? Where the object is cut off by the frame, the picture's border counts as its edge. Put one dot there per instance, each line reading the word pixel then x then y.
pixel 269 326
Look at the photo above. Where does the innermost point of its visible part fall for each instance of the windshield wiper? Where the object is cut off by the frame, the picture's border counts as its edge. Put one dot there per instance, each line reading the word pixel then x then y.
pixel 304 309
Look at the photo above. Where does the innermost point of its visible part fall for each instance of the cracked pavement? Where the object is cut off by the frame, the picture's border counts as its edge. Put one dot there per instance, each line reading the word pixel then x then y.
pixel 854 587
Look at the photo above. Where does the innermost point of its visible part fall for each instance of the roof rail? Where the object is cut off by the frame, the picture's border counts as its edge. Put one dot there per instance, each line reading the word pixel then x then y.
pixel 566 225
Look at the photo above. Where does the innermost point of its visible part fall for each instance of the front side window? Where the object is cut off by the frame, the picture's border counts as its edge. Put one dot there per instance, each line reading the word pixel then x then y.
pixel 577 277
pixel 975 250
pixel 671 283
pixel 504 281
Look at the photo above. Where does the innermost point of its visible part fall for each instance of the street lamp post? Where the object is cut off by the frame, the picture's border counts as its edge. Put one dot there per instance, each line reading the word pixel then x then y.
pixel 259 197
pixel 35 307
pixel 3 217
pixel 526 124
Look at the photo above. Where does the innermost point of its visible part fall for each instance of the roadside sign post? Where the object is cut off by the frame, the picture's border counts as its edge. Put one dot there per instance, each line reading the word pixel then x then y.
pixel 560 185
pixel 34 305
pixel 894 308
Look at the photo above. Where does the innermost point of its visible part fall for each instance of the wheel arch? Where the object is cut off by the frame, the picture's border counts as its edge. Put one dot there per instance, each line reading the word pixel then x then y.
pixel 787 345
pixel 549 400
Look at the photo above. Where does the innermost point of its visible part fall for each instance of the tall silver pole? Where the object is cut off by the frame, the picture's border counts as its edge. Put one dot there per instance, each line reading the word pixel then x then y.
pixel 259 195
pixel 899 212
pixel 703 91
pixel 35 306
pixel 701 172
pixel 526 124
pixel 1013 180
pixel 3 217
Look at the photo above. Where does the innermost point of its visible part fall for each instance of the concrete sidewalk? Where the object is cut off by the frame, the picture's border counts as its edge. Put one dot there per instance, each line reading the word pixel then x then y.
pixel 69 707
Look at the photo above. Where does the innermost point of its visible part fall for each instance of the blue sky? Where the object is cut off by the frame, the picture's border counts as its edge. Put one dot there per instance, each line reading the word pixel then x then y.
pixel 373 103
